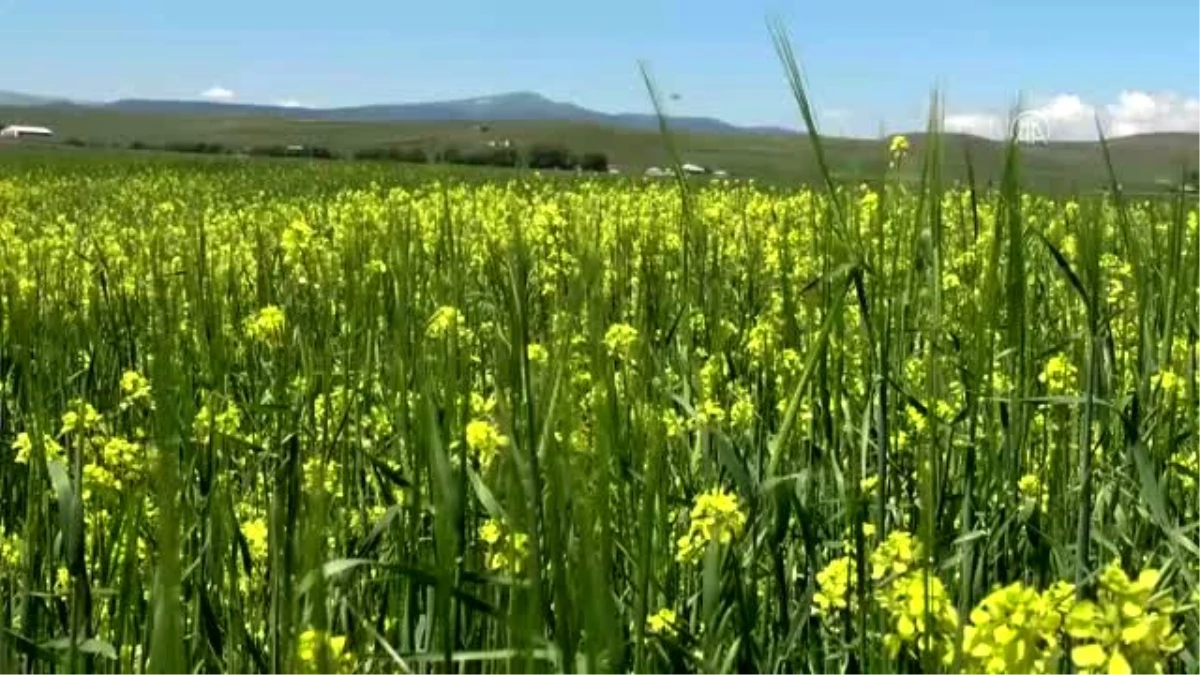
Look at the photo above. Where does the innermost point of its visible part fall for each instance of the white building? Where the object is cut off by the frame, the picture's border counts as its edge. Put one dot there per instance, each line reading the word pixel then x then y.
pixel 721 173
pixel 693 168
pixel 655 172
pixel 22 131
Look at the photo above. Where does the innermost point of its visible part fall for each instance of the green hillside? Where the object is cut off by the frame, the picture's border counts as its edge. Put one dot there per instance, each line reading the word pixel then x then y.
pixel 1143 162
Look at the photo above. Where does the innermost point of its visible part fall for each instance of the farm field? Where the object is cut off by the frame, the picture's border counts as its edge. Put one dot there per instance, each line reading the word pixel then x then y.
pixel 335 417
pixel 1145 162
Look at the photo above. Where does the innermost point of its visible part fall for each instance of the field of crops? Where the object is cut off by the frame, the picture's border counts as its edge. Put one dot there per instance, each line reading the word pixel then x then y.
pixel 295 418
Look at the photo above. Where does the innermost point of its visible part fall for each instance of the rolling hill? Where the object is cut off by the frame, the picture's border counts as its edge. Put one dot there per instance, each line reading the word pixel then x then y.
pixel 513 106
pixel 1144 162
pixel 15 98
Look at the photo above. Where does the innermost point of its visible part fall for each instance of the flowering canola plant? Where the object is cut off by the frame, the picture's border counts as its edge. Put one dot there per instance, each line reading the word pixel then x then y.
pixel 538 422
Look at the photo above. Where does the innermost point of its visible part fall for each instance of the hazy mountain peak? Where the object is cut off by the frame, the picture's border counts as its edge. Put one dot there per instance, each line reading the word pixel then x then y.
pixel 16 98
pixel 504 106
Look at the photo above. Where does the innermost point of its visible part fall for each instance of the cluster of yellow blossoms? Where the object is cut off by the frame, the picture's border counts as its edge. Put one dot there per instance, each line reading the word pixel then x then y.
pixel 311 642
pixel 505 550
pixel 715 517
pixel 1015 629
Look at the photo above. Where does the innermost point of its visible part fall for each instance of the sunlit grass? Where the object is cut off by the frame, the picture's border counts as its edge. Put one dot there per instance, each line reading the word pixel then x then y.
pixel 253 421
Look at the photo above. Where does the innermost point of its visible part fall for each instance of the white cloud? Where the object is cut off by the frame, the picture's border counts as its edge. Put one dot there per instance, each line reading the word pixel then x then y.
pixel 1068 117
pixel 980 124
pixel 218 94
pixel 290 103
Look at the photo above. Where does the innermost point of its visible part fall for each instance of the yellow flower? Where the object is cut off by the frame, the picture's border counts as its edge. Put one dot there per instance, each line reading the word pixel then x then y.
pixel 620 340
pixel 868 484
pixel 715 517
pixel 445 319
pixel 11 551
pixel 907 601
pixel 662 622
pixel 536 353
pixel 62 581
pixel 709 414
pixel 376 267
pixel 503 550
pixel 895 556
pixel 897 149
pixel 255 532
pixel 309 643
pixel 672 424
pixel 134 387
pixel 1128 628
pixel 835 582
pixel 490 532
pixel 23 444
pixel 267 325
pixel 1015 629
pixel 80 417
pixel 1059 375
pixel 1033 497
pixel 916 418
pixel 485 440
pixel 1089 656
pixel 741 413
pixel 1169 382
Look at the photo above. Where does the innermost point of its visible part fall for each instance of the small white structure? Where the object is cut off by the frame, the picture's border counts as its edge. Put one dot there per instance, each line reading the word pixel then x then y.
pixel 502 143
pixel 721 173
pixel 693 168
pixel 614 170
pixel 655 172
pixel 22 131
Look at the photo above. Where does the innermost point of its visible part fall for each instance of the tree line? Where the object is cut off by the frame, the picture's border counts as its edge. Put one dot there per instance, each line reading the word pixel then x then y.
pixel 546 156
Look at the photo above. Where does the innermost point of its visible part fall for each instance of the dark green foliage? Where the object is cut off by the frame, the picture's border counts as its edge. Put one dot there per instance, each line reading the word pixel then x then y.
pixel 408 155
pixel 593 161
pixel 549 156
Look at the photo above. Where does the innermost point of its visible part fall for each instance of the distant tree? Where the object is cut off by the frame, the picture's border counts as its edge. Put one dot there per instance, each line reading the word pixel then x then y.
pixel 390 154
pixel 594 161
pixel 370 154
pixel 411 155
pixel 548 156
pixel 75 142
pixel 474 158
pixel 489 157
pixel 197 147
pixel 138 145
pixel 269 151
pixel 450 155
pixel 508 157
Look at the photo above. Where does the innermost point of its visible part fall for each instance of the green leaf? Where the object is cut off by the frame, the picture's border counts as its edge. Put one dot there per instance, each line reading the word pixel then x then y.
pixel 70 515
pixel 332 569
pixel 486 497
pixel 28 647
pixel 93 646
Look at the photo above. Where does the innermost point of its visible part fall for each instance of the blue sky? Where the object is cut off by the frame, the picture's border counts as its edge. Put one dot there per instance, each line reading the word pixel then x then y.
pixel 868 61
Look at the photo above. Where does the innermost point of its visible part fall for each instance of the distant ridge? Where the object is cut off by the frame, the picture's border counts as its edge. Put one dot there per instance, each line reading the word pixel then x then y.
pixel 520 106
pixel 13 98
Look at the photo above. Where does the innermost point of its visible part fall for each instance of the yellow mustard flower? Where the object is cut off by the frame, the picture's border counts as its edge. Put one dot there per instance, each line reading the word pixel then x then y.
pixel 662 622
pixel 485 440
pixel 715 517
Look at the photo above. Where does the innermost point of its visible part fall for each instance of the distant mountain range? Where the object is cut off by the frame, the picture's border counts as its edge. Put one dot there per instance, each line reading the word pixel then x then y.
pixel 514 106
pixel 12 98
